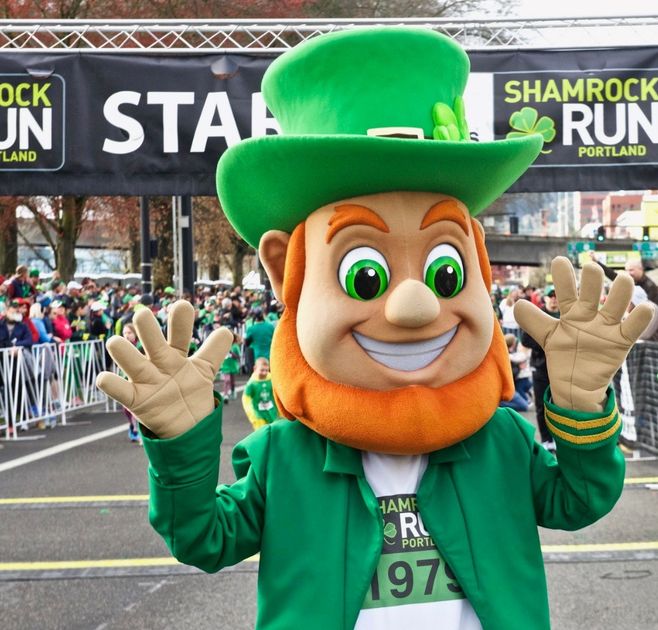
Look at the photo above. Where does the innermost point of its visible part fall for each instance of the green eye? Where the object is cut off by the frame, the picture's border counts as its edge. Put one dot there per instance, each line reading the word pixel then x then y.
pixel 363 273
pixel 444 271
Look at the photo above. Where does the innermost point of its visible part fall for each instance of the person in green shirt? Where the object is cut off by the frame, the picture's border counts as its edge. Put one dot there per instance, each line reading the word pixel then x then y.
pixel 231 367
pixel 79 321
pixel 258 397
pixel 207 313
pixel 273 314
pixel 259 335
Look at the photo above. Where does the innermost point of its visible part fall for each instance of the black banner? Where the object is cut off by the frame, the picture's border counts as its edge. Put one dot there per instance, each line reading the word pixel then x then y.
pixel 123 124
pixel 149 125
pixel 597 110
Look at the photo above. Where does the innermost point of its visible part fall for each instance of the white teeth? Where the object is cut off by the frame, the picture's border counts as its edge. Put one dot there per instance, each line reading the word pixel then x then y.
pixel 405 357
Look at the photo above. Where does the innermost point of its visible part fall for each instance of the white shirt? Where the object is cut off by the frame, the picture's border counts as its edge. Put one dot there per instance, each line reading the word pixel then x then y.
pixel 507 311
pixel 413 587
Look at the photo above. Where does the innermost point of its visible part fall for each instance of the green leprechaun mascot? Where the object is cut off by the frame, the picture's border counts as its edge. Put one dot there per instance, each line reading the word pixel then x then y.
pixel 399 494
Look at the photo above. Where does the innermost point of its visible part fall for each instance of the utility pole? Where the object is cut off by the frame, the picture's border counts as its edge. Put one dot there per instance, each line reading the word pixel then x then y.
pixel 145 245
pixel 187 244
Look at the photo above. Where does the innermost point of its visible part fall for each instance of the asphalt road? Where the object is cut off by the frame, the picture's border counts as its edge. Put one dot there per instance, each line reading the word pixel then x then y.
pixel 77 552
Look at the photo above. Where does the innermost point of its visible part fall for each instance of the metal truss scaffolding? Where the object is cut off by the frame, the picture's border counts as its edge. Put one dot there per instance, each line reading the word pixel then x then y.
pixel 276 36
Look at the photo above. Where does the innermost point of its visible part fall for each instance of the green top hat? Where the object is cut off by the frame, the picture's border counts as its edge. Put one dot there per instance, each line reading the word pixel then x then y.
pixel 336 98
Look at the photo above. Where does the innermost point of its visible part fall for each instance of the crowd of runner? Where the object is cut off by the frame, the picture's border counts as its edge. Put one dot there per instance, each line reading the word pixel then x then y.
pixel 60 312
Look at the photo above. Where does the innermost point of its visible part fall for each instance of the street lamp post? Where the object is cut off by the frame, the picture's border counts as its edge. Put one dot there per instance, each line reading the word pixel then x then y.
pixel 145 245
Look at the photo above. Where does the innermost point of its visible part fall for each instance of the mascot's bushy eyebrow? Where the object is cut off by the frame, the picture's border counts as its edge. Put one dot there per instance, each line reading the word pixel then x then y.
pixel 354 214
pixel 447 210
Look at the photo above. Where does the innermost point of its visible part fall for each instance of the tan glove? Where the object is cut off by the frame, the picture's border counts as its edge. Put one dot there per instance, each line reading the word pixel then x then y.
pixel 165 390
pixel 586 346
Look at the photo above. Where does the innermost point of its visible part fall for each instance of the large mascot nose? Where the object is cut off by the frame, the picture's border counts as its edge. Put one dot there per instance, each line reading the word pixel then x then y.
pixel 411 305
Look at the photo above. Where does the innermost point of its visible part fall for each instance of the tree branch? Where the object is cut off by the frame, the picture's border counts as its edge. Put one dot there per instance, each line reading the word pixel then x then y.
pixel 38 254
pixel 42 221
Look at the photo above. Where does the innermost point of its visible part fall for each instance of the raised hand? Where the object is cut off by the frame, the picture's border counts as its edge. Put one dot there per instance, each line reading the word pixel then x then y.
pixel 167 391
pixel 587 345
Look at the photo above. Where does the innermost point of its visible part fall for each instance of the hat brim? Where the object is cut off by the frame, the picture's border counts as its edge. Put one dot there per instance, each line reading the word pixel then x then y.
pixel 275 182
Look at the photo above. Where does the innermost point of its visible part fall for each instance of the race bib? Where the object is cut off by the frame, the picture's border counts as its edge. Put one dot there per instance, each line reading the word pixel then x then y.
pixel 411 570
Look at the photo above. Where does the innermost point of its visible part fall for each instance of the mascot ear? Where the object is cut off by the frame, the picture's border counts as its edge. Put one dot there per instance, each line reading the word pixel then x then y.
pixel 272 251
pixel 478 226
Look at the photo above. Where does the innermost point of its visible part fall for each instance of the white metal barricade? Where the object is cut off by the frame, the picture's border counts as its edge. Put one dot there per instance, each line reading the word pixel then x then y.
pixel 41 384
pixel 82 362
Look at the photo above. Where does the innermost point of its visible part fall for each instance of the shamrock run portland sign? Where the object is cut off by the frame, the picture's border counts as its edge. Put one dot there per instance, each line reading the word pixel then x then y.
pixel 146 124
pixel 597 111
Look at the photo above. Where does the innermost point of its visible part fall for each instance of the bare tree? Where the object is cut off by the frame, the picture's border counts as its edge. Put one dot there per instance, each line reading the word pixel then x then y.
pixel 8 236
pixel 405 8
pixel 60 221
pixel 162 228
pixel 216 242
pixel 118 220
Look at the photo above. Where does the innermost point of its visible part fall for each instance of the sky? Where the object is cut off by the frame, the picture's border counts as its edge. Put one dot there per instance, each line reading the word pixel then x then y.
pixel 585 8
pixel 638 34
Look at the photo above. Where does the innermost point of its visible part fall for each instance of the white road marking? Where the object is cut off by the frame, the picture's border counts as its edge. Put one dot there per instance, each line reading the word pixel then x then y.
pixel 61 448
pixel 158 586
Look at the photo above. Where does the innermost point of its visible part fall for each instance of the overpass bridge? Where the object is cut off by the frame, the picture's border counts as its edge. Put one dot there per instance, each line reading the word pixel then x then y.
pixel 538 251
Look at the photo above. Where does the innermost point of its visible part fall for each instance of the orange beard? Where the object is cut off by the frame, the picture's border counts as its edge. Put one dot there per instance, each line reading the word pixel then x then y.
pixel 408 420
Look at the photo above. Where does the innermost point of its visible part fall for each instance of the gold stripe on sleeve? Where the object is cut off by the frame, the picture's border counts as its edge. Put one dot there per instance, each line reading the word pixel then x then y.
pixel 580 424
pixel 584 439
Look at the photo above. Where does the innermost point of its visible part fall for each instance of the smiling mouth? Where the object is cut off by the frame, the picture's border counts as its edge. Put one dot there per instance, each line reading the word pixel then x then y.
pixel 405 357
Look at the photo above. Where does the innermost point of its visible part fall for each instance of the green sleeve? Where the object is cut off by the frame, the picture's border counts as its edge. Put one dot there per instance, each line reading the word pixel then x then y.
pixel 252 395
pixel 583 430
pixel 247 405
pixel 587 478
pixel 206 526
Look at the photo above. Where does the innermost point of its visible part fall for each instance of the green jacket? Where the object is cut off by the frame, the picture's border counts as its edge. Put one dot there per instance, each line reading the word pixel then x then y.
pixel 303 502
